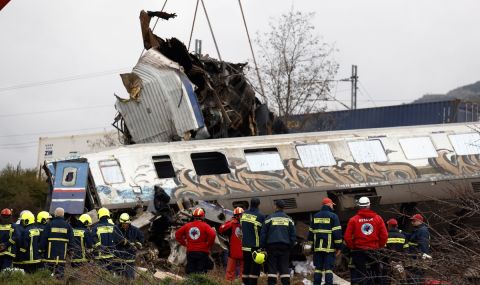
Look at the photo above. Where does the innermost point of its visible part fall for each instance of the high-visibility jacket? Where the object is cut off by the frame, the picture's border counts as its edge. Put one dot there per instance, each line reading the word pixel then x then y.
pixel 396 240
pixel 365 231
pixel 325 231
pixel 82 242
pixel 197 236
pixel 419 240
pixel 233 230
pixel 252 221
pixel 278 229
pixel 29 252
pixel 127 248
pixel 105 239
pixel 10 238
pixel 56 238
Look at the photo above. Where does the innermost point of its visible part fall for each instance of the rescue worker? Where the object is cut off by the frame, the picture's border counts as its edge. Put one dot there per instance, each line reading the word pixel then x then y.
pixel 105 237
pixel 56 238
pixel 199 238
pixel 29 258
pixel 396 244
pixel 252 221
pixel 41 221
pixel 326 234
pixel 127 248
pixel 20 228
pixel 233 230
pixel 9 239
pixel 278 237
pixel 365 235
pixel 419 246
pixel 82 240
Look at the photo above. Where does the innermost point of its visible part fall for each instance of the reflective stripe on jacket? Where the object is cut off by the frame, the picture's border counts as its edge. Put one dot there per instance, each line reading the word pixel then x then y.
pixel 29 253
pixel 134 237
pixel 9 237
pixel 56 238
pixel 105 238
pixel 251 222
pixel 325 231
pixel 82 240
pixel 279 228
pixel 396 240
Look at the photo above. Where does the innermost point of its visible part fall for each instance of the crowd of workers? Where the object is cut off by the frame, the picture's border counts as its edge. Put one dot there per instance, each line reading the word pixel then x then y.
pixel 47 242
pixel 254 238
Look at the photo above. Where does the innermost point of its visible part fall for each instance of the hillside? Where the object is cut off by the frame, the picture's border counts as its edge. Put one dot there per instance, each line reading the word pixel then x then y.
pixel 469 92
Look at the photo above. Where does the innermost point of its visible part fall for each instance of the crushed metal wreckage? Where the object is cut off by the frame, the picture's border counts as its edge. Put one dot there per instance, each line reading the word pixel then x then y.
pixel 177 95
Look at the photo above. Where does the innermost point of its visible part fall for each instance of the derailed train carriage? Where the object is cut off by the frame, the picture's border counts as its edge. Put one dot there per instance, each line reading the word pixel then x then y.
pixel 391 166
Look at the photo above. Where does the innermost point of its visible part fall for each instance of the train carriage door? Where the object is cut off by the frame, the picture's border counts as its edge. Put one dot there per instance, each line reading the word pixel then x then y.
pixel 69 187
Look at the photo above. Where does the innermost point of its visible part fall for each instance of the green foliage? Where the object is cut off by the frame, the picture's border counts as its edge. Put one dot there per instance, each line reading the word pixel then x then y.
pixel 21 189
pixel 41 277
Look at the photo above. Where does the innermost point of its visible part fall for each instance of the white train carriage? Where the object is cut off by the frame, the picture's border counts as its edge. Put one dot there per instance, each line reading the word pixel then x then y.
pixel 390 165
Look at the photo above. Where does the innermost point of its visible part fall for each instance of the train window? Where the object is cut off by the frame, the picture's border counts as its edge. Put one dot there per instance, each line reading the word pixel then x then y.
pixel 367 151
pixel 210 163
pixel 163 166
pixel 111 171
pixel 69 176
pixel 465 144
pixel 314 155
pixel 418 148
pixel 263 159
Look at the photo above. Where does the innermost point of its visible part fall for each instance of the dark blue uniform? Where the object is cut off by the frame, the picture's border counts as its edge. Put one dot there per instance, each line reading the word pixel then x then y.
pixel 326 234
pixel 29 257
pixel 9 239
pixel 278 237
pixel 56 239
pixel 419 240
pixel 105 236
pixel 251 222
pixel 127 249
pixel 82 242
pixel 396 245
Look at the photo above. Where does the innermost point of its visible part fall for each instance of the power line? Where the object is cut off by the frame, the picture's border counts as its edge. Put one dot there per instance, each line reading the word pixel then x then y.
pixel 55 111
pixel 366 92
pixel 61 80
pixel 53 132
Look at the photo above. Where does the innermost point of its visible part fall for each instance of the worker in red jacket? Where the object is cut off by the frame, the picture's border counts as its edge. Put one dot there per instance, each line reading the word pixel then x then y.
pixel 233 230
pixel 199 238
pixel 365 235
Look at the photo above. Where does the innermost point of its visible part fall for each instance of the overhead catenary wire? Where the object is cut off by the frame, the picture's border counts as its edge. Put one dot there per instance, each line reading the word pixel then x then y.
pixel 54 132
pixel 61 80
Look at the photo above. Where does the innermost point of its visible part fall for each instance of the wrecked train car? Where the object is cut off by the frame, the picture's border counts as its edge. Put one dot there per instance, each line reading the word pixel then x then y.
pixel 391 166
pixel 176 95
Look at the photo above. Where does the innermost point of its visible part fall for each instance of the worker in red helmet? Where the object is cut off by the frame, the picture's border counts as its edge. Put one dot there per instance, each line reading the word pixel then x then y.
pixel 233 230
pixel 198 237
pixel 418 246
pixel 9 239
pixel 396 245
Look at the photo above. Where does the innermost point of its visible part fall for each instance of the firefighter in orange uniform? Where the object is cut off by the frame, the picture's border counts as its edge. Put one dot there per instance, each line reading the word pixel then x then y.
pixel 233 230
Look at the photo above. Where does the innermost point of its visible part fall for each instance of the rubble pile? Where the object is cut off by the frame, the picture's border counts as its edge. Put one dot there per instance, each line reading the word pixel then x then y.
pixel 177 95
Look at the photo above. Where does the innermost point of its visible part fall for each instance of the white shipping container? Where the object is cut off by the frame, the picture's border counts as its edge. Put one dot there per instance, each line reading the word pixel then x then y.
pixel 64 147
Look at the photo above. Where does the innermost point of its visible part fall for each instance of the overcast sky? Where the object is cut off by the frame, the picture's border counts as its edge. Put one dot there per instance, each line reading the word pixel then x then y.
pixel 60 59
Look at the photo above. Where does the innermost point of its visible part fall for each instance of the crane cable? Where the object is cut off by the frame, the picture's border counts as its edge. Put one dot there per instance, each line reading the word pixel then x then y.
pixel 155 25
pixel 193 25
pixel 253 53
pixel 211 31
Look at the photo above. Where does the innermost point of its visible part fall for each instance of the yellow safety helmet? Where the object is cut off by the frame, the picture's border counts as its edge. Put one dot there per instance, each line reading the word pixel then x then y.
pixel 27 218
pixel 103 212
pixel 124 218
pixel 259 257
pixel 43 216
pixel 85 219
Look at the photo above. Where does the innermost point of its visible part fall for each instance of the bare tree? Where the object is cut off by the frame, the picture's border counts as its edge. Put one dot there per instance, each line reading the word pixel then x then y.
pixel 296 66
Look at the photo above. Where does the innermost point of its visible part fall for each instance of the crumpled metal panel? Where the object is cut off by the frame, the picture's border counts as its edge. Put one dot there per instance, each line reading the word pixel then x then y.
pixel 167 105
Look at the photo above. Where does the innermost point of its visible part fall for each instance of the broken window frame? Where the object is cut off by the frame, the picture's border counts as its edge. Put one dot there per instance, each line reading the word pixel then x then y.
pixel 66 171
pixel 160 159
pixel 200 163
pixel 254 153
pixel 117 164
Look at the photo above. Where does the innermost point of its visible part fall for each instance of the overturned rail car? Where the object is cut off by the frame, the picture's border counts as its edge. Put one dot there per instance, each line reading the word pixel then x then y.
pixel 390 165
